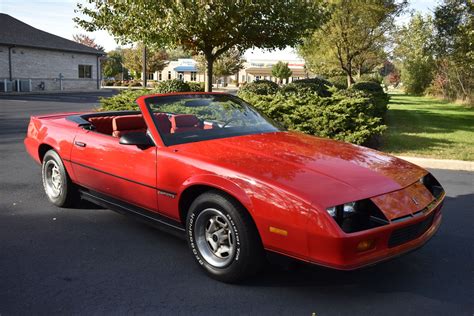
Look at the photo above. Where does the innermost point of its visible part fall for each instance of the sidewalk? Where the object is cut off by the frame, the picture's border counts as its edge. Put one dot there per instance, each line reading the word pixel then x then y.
pixel 440 163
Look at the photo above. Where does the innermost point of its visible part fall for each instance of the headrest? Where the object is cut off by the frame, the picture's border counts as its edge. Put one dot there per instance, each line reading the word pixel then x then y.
pixel 164 124
pixel 128 122
pixel 184 120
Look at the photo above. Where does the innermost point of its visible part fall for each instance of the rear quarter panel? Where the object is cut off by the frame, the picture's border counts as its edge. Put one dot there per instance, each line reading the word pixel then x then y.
pixel 53 131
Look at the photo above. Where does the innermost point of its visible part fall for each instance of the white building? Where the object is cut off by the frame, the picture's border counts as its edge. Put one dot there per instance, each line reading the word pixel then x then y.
pixel 186 69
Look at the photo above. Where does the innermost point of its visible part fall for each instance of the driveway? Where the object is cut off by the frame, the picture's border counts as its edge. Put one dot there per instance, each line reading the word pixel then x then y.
pixel 94 261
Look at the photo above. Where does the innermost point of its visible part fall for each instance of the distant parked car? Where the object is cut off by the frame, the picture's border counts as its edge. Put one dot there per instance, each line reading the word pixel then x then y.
pixel 210 167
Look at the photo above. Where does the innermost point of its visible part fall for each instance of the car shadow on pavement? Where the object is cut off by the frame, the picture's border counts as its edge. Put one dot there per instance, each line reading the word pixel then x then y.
pixel 437 270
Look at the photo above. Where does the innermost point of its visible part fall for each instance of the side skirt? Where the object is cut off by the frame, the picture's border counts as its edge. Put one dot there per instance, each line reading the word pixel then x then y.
pixel 143 215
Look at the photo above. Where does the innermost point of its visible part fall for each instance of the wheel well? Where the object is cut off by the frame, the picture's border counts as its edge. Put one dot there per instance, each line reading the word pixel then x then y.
pixel 42 150
pixel 191 193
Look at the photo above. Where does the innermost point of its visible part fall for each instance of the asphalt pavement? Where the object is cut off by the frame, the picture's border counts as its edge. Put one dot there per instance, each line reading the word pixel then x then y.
pixel 91 261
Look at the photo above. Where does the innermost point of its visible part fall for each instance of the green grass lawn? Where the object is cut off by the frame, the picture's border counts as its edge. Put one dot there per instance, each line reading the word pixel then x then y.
pixel 428 127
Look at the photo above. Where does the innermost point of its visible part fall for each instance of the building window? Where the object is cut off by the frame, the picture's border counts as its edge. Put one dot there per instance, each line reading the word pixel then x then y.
pixel 150 76
pixel 85 71
pixel 169 75
pixel 257 78
pixel 193 76
pixel 160 76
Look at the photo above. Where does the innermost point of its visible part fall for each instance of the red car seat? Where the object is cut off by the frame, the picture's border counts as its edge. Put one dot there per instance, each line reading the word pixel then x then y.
pixel 185 122
pixel 126 124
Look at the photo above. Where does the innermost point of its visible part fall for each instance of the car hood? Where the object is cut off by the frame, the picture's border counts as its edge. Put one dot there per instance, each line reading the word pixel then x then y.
pixel 322 171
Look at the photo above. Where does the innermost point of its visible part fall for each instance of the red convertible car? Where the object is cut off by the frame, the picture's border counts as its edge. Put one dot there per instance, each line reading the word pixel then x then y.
pixel 212 168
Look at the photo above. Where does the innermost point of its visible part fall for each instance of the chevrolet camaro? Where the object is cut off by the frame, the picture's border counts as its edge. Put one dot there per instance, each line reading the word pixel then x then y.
pixel 210 167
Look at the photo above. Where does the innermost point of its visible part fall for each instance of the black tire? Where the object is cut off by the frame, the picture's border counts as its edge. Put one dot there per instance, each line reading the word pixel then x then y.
pixel 245 257
pixel 64 193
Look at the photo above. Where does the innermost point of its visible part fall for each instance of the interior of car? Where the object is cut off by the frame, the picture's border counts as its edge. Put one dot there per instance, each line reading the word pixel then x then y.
pixel 117 126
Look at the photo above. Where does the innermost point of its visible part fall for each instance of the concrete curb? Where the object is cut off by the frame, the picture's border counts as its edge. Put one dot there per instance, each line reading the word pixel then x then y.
pixel 447 164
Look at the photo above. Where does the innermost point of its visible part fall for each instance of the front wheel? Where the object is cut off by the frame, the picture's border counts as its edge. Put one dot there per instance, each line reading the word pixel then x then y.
pixel 223 238
pixel 56 182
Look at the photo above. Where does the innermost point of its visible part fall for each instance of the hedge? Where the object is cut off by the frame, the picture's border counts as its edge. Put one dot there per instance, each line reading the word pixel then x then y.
pixel 354 115
pixel 260 87
pixel 377 95
pixel 342 116
pixel 317 85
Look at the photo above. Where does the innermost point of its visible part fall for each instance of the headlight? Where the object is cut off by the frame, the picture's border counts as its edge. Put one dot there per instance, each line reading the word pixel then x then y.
pixel 432 185
pixel 357 216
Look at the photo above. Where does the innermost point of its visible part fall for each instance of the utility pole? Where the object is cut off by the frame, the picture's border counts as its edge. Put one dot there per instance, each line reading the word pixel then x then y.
pixel 144 66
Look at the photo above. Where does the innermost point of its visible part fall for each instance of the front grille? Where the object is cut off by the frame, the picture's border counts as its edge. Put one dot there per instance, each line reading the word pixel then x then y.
pixel 407 233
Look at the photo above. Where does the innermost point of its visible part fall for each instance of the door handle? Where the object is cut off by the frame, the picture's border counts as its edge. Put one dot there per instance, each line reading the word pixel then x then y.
pixel 80 144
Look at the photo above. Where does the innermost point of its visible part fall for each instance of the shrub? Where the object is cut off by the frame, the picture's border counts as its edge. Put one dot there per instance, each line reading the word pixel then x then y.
pixel 174 85
pixel 125 100
pixel 260 87
pixel 135 83
pixel 196 86
pixel 339 81
pixel 371 78
pixel 347 116
pixel 108 83
pixel 376 94
pixel 317 85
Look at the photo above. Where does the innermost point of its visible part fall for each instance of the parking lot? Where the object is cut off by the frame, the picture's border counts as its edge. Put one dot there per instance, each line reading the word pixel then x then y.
pixel 94 261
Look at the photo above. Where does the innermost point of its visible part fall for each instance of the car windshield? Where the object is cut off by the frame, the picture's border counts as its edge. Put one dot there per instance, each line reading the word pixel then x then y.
pixel 196 117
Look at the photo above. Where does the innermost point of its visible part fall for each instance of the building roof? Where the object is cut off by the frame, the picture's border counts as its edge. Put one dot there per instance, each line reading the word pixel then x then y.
pixel 16 33
pixel 185 68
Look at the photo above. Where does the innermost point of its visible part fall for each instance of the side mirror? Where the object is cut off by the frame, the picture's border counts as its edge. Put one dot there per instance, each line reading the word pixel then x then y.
pixel 139 139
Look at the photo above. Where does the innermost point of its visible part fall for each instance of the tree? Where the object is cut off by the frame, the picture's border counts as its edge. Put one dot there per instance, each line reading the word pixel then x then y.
pixel 112 66
pixel 454 49
pixel 207 27
pixel 84 39
pixel 156 60
pixel 355 31
pixel 228 64
pixel 281 71
pixel 414 50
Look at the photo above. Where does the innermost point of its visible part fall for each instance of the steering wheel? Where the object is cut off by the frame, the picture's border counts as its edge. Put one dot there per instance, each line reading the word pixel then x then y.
pixel 227 122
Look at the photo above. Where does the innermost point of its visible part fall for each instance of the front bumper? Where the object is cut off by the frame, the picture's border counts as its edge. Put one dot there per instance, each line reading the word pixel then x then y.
pixel 390 241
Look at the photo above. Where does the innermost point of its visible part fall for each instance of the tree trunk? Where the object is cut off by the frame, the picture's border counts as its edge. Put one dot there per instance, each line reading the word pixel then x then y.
pixel 144 67
pixel 350 79
pixel 209 68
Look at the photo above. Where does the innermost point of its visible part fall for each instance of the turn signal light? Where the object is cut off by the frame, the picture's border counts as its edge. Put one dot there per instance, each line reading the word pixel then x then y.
pixel 366 245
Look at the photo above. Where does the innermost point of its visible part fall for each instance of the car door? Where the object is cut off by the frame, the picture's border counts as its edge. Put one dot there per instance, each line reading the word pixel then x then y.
pixel 125 172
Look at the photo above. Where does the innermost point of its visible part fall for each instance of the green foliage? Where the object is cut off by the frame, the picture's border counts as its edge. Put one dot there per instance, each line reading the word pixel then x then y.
pixel 207 27
pixel 414 50
pixel 375 94
pixel 260 87
pixel 123 101
pixel 454 47
pixel 340 116
pixel 368 86
pixel 196 86
pixel 353 38
pixel 281 71
pixel 112 66
pixel 374 77
pixel 174 85
pixel 339 81
pixel 319 86
pixel 133 59
pixel 227 64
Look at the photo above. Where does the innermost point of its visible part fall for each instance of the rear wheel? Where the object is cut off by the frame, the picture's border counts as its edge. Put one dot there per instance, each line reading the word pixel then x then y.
pixel 56 182
pixel 223 237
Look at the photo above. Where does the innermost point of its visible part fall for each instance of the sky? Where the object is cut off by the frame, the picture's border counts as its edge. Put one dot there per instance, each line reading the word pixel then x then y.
pixel 55 16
